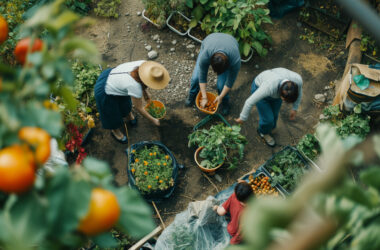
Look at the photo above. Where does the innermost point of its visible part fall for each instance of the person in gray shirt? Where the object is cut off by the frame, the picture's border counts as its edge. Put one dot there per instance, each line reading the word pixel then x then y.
pixel 221 51
pixel 268 90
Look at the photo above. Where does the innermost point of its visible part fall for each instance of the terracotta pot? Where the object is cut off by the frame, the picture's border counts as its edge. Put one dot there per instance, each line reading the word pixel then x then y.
pixel 206 170
pixel 210 97
pixel 156 103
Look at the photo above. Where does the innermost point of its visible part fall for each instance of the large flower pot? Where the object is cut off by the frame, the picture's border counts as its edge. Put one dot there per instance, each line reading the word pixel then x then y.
pixel 198 161
pixel 156 103
pixel 211 97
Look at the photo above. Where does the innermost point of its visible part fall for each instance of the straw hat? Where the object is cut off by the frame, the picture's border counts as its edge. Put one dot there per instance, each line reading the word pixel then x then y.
pixel 154 75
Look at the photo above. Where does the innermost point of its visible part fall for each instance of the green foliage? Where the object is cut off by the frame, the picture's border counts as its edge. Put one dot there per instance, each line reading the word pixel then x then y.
pixel 157 11
pixel 48 215
pixel 352 124
pixel 286 169
pixel 107 8
pixel 309 145
pixel 79 6
pixel 155 111
pixel 221 143
pixel 152 169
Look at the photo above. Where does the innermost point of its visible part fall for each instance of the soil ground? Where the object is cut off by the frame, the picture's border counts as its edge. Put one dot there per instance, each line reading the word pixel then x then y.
pixel 125 38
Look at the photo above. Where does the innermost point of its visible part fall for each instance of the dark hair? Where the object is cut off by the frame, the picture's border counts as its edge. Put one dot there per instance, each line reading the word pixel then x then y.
pixel 289 91
pixel 135 75
pixel 243 191
pixel 219 63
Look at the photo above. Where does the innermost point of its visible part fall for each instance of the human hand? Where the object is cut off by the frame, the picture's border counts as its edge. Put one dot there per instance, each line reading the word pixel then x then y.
pixel 156 122
pixel 293 114
pixel 215 208
pixel 218 99
pixel 204 102
pixel 238 120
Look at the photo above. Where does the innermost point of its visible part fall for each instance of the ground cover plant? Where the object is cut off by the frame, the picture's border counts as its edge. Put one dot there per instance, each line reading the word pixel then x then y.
pixel 309 145
pixel 152 169
pixel 107 8
pixel 44 210
pixel 221 144
pixel 286 169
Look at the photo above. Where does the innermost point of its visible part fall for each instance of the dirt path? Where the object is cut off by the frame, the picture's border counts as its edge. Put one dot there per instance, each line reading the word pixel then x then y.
pixel 125 39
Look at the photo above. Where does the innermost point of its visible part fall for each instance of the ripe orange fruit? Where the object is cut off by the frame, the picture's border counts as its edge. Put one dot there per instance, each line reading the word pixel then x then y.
pixel 17 169
pixel 103 213
pixel 39 139
pixel 22 46
pixel 3 29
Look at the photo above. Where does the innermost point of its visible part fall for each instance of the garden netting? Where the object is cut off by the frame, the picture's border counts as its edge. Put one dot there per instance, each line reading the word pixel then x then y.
pixel 199 227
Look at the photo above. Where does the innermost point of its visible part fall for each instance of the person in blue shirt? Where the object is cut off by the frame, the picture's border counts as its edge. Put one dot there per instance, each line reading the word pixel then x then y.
pixel 221 51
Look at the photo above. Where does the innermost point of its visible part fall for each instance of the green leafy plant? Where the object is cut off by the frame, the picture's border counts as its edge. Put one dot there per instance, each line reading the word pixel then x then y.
pixel 155 111
pixel 152 169
pixel 157 11
pixel 309 145
pixel 107 8
pixel 221 144
pixel 286 169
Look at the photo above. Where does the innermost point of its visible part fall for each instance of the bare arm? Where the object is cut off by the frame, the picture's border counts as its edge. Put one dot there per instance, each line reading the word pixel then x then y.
pixel 221 96
pixel 219 210
pixel 204 99
pixel 137 102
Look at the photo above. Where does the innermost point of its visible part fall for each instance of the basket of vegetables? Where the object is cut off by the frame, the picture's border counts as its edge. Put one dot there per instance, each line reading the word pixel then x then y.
pixel 210 107
pixel 156 109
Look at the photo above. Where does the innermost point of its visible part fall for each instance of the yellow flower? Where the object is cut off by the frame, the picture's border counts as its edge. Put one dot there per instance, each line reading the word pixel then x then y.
pixel 374 53
pixel 46 104
pixel 157 177
pixel 149 186
pixel 158 164
pixel 137 160
pixel 165 164
pixel 150 154
pixel 154 153
pixel 166 157
pixel 161 181
pixel 146 172
pixel 145 163
pixel 133 170
pixel 133 151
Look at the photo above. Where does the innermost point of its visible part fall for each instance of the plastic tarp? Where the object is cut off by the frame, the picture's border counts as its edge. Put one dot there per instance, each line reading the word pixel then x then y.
pixel 278 8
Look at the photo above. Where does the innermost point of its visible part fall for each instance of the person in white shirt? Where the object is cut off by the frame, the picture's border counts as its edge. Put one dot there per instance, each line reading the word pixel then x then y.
pixel 269 89
pixel 117 88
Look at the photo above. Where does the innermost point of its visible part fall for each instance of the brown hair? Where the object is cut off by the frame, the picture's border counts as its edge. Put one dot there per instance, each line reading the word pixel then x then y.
pixel 289 91
pixel 219 63
pixel 135 75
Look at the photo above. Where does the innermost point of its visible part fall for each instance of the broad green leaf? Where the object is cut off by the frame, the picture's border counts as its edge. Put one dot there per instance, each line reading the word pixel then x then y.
pixel 23 222
pixel 203 1
pixel 246 49
pixel 68 97
pixel 105 240
pixel 136 216
pixel 198 12
pixel 371 177
pixel 193 23
pixel 259 48
pixel 96 168
pixel 69 202
pixel 367 238
pixel 62 20
pixel 48 71
pixel 189 3
pixel 35 58
pixel 44 14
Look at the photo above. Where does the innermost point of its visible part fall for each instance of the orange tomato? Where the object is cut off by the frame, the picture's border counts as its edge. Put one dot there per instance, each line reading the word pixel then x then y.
pixel 3 29
pixel 39 139
pixel 103 213
pixel 22 46
pixel 17 169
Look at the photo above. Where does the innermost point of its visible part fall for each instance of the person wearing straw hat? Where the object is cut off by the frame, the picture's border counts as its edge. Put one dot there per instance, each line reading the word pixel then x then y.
pixel 117 88
pixel 221 51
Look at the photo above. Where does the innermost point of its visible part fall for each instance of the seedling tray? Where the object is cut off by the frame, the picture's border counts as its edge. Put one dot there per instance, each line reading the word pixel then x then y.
pixel 266 170
pixel 198 29
pixel 151 21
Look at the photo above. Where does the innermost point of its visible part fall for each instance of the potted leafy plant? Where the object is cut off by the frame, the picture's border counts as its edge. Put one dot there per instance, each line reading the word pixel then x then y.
pixel 156 109
pixel 216 145
pixel 156 12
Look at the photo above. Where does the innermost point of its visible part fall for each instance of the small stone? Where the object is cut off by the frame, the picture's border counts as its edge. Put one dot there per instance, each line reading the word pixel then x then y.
pixel 319 98
pixel 322 117
pixel 190 46
pixel 218 178
pixel 155 37
pixel 325 94
pixel 152 54
pixel 257 66
pixel 192 55
pixel 174 42
pixel 172 49
pixel 148 48
pixel 138 13
pixel 127 14
pixel 158 46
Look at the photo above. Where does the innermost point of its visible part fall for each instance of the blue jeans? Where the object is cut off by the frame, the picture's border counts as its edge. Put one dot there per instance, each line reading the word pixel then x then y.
pixel 194 82
pixel 268 109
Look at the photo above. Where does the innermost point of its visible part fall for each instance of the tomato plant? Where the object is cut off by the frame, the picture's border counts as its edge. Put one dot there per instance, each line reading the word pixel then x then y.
pixel 46 209
pixel 17 169
pixel 24 46
pixel 3 30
